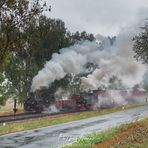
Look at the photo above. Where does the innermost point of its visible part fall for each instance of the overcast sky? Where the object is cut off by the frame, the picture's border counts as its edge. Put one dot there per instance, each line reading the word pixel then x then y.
pixel 105 17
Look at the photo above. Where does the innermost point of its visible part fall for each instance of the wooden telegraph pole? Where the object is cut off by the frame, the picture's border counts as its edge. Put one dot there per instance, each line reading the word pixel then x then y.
pixel 14 107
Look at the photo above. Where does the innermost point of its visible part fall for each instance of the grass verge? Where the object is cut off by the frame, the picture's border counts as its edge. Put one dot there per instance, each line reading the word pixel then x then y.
pixel 53 120
pixel 133 135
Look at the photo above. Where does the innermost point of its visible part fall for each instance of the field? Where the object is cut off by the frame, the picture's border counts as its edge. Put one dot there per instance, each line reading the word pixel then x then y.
pixel 133 135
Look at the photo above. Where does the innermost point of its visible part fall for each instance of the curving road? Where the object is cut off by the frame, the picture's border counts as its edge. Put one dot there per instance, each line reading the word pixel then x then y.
pixel 59 135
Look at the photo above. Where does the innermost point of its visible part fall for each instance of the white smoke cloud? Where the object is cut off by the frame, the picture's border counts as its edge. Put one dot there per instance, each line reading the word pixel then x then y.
pixel 68 61
pixel 62 94
pixel 110 98
pixel 116 60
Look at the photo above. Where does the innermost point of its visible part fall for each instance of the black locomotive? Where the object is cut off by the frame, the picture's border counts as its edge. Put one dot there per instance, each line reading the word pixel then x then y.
pixel 38 102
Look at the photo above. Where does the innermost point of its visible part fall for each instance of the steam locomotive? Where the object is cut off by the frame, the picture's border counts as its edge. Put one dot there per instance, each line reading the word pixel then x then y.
pixel 84 101
pixel 38 103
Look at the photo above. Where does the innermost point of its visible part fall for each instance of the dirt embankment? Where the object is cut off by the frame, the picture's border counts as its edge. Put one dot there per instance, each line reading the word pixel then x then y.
pixel 136 135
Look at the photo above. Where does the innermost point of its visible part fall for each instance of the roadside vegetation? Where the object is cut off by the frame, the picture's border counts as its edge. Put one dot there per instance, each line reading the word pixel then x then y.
pixel 6 128
pixel 133 135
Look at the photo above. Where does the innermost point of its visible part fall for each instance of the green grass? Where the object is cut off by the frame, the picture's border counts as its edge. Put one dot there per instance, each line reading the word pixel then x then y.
pixel 53 120
pixel 90 140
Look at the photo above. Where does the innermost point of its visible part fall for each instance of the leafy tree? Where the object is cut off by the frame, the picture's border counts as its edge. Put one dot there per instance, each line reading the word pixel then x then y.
pixel 2 99
pixel 14 17
pixel 44 37
pixel 5 89
pixel 77 36
pixel 20 71
pixel 40 38
pixel 140 46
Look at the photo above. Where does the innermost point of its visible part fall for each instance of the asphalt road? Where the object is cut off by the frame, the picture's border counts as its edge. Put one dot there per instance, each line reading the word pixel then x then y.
pixel 59 135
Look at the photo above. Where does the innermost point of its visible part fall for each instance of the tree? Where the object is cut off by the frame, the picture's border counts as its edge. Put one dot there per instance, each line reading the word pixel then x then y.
pixel 77 36
pixel 20 71
pixel 5 89
pixel 14 17
pixel 45 36
pixel 41 37
pixel 140 46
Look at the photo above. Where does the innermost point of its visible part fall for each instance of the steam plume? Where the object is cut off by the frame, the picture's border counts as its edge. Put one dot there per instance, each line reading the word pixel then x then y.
pixel 112 60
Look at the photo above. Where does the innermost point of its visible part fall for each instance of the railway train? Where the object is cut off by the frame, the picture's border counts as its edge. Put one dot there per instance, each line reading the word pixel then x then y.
pixel 83 101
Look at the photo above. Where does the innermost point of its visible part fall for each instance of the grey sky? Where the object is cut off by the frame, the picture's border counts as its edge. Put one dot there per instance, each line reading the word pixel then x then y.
pixel 105 17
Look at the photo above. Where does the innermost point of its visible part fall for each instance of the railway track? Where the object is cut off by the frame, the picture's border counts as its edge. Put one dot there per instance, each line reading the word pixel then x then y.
pixel 24 116
pixel 12 118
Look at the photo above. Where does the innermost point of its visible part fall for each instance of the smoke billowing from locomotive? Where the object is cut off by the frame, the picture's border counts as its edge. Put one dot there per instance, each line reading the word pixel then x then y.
pixel 114 61
pixel 107 71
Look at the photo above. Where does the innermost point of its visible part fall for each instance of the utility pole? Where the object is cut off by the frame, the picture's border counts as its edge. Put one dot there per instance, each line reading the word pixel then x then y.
pixel 14 108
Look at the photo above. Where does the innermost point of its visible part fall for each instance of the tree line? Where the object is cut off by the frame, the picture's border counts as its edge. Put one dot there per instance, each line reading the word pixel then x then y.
pixel 27 40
